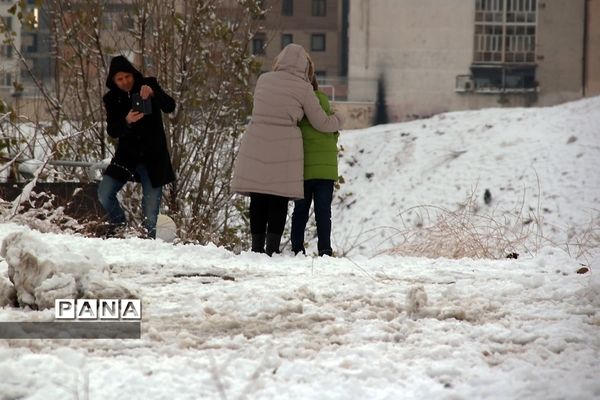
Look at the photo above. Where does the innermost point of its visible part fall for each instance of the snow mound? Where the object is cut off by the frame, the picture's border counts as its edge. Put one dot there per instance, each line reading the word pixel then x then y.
pixel 517 176
pixel 41 272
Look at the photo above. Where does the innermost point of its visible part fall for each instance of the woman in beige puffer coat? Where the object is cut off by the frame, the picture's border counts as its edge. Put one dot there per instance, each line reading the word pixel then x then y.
pixel 270 164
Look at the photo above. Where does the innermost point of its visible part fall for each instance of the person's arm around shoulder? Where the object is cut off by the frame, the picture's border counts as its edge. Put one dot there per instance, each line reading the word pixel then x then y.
pixel 163 100
pixel 317 117
pixel 326 106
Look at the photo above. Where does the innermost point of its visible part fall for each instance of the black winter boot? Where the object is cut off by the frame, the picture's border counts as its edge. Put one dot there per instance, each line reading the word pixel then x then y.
pixel 273 242
pixel 326 252
pixel 258 242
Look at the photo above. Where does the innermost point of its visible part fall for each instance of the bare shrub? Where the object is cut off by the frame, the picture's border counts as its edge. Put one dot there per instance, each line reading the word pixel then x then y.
pixel 38 212
pixel 584 243
pixel 465 232
pixel 198 50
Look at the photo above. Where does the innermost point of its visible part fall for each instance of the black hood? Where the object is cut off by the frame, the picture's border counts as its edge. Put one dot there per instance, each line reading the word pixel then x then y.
pixel 122 64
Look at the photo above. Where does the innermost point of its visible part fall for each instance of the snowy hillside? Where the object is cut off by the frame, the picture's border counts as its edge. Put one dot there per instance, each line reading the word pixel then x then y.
pixel 367 325
pixel 517 154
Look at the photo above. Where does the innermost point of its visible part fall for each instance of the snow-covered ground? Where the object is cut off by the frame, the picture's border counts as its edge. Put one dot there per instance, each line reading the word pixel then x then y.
pixel 363 326
pixel 538 163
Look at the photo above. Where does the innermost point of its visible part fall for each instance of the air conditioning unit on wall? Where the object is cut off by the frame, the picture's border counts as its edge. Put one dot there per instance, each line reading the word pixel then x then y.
pixel 464 83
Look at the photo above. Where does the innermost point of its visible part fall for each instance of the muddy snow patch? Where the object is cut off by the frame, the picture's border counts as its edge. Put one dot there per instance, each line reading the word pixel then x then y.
pixel 42 272
pixel 416 299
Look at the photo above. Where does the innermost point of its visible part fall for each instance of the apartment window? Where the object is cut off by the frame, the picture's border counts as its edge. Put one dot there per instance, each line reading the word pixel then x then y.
pixel 286 39
pixel 505 31
pixel 7 79
pixel 258 44
pixel 319 8
pixel 504 54
pixel 287 8
pixel 6 51
pixel 29 43
pixel 317 42
pixel 108 21
pixel 7 22
pixel 125 23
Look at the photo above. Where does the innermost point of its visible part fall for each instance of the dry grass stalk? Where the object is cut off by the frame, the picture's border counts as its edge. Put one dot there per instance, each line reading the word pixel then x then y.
pixel 466 233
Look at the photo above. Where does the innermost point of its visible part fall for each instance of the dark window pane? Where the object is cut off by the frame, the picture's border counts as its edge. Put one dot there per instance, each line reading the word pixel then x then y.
pixel 7 51
pixel 124 23
pixel 485 78
pixel 286 39
pixel 317 42
pixel 319 8
pixel 8 23
pixel 520 78
pixel 258 45
pixel 287 8
pixel 503 77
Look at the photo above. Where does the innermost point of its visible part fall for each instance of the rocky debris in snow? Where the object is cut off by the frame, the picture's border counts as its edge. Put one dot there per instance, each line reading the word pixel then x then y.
pixel 8 294
pixel 42 272
pixel 572 139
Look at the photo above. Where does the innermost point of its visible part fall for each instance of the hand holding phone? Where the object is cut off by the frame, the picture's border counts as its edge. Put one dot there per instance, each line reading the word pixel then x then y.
pixel 141 105
pixel 133 117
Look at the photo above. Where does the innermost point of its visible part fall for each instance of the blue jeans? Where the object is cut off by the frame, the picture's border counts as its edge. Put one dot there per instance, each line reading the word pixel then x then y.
pixel 151 196
pixel 321 191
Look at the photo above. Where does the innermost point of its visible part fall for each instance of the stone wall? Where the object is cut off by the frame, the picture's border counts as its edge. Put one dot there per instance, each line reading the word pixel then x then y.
pixel 358 115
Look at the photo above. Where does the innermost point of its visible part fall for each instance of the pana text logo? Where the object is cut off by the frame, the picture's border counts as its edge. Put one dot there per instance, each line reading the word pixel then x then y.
pixel 93 309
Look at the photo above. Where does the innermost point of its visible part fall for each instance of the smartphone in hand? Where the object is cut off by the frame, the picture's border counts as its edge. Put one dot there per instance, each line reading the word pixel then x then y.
pixel 140 105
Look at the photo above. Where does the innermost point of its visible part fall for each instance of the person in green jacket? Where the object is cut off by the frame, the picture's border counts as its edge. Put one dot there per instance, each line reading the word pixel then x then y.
pixel 320 175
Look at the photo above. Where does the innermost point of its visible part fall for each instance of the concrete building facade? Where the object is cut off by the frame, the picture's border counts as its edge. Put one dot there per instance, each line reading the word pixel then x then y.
pixel 39 51
pixel 9 62
pixel 592 49
pixel 317 25
pixel 467 54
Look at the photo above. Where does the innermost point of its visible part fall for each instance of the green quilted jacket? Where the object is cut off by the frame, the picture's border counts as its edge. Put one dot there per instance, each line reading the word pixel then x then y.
pixel 320 149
